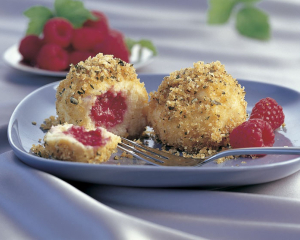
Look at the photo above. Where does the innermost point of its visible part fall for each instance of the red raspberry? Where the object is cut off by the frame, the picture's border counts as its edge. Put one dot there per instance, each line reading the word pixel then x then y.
pixel 77 56
pixel 101 23
pixel 59 31
pixel 86 38
pixel 115 45
pixel 269 110
pixel 252 133
pixel 52 57
pixel 29 47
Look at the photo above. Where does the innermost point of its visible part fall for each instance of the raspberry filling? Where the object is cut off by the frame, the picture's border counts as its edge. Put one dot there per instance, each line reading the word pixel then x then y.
pixel 109 109
pixel 92 138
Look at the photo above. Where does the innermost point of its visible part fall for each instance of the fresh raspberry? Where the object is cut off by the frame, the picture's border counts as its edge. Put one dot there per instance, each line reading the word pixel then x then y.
pixel 101 23
pixel 252 133
pixel 29 47
pixel 77 56
pixel 269 110
pixel 114 44
pixel 53 57
pixel 86 38
pixel 59 31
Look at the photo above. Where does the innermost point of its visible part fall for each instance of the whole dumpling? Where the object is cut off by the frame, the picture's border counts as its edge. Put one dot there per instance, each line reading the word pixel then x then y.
pixel 197 107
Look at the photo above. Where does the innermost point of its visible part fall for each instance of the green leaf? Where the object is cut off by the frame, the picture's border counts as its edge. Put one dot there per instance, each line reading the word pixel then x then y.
pixel 144 43
pixel 74 11
pixel 148 44
pixel 38 16
pixel 220 10
pixel 249 1
pixel 130 43
pixel 253 23
pixel 141 44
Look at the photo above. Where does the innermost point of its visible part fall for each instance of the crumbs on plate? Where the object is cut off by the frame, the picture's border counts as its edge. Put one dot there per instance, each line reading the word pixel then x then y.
pixel 193 110
pixel 39 150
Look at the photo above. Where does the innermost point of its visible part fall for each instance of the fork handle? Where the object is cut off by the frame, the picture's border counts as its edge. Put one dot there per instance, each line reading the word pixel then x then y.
pixel 255 150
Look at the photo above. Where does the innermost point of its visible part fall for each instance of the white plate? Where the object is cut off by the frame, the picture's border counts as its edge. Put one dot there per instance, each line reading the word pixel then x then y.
pixel 14 59
pixel 41 104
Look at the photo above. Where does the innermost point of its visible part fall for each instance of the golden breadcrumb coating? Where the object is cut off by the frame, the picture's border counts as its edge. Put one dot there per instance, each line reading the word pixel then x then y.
pixel 49 122
pixel 39 150
pixel 65 147
pixel 86 80
pixel 197 107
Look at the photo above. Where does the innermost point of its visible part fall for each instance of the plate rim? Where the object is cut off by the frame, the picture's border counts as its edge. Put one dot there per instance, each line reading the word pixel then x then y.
pixel 146 167
pixel 13 49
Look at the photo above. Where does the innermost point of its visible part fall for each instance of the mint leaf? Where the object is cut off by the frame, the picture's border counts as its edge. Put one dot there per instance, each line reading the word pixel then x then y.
pixel 130 43
pixel 38 16
pixel 249 1
pixel 144 43
pixel 149 45
pixel 253 23
pixel 220 11
pixel 74 11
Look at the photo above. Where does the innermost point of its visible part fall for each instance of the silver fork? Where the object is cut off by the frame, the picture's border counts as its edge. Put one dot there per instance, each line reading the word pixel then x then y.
pixel 161 158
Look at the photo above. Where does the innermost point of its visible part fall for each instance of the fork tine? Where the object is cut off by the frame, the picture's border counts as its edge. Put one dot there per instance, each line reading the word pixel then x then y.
pixel 153 151
pixel 156 156
pixel 137 156
pixel 128 148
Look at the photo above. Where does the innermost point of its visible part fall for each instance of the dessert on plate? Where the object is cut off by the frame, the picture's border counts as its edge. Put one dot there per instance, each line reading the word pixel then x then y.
pixel 103 91
pixel 77 144
pixel 197 107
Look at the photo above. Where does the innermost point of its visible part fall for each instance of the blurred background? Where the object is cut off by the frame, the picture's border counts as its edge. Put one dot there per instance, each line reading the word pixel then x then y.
pixel 182 35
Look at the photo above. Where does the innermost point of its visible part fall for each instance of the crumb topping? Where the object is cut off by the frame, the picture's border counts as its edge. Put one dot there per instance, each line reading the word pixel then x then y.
pixel 197 107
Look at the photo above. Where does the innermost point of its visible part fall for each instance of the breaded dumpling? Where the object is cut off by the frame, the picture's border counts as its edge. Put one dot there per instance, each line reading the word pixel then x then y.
pixel 103 92
pixel 74 143
pixel 197 107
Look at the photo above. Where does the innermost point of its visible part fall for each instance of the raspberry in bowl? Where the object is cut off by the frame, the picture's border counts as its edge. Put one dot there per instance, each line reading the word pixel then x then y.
pixel 52 57
pixel 103 91
pixel 59 31
pixel 113 44
pixel 29 48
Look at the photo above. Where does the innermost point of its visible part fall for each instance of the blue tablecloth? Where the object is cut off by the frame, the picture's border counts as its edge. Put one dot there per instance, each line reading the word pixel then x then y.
pixel 36 205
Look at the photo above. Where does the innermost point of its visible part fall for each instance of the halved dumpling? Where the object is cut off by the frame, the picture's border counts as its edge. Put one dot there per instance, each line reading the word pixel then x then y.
pixel 77 144
pixel 103 92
